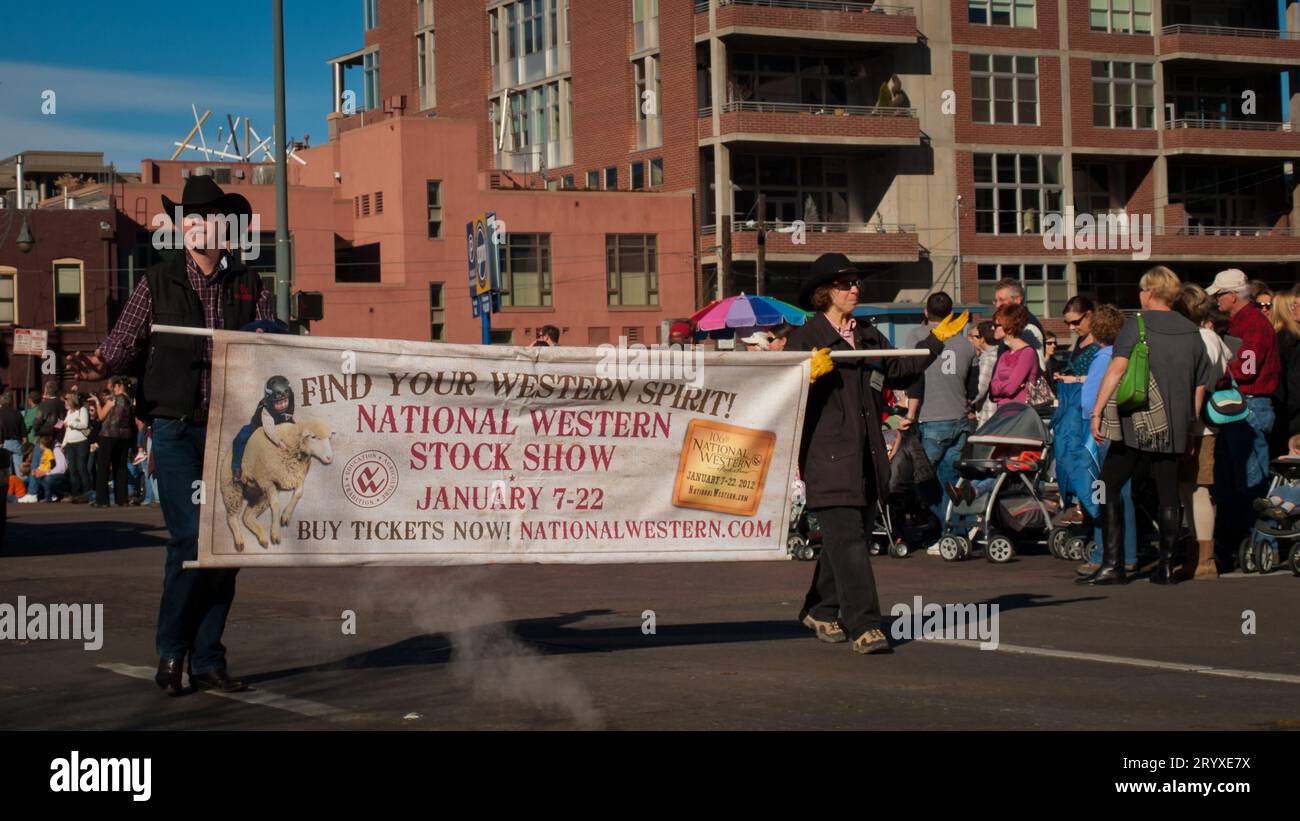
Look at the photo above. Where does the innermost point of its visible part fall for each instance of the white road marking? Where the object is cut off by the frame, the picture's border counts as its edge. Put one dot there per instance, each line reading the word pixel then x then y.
pixel 1178 667
pixel 263 698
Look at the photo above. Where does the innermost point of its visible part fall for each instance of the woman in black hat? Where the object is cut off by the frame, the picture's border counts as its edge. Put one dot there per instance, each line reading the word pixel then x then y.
pixel 842 457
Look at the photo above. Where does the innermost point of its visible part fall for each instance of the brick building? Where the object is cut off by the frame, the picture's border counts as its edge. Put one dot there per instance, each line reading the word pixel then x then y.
pixel 929 140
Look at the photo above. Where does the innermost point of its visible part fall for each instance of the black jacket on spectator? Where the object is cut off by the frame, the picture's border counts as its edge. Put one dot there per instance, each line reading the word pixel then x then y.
pixel 1286 403
pixel 11 425
pixel 843 449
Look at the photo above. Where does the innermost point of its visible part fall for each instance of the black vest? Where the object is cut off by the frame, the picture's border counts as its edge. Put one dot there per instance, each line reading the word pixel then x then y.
pixel 170 386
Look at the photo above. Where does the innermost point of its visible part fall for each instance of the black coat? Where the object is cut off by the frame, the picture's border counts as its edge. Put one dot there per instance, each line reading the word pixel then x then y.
pixel 842 455
pixel 1286 401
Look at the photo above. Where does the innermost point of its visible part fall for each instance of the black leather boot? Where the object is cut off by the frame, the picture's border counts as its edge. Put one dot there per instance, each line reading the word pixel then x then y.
pixel 1169 520
pixel 1111 570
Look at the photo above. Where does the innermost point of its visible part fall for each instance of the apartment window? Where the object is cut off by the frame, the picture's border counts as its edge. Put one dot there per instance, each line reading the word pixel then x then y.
pixel 424 57
pixel 512 31
pixel 370 13
pixel 494 45
pixel 1004 89
pixel 566 21
pixel 379 202
pixel 813 188
pixel 656 172
pixel 8 296
pixel 566 182
pixel 437 313
pixel 530 16
pixel 1013 191
pixel 503 336
pixel 67 291
pixel 593 180
pixel 423 13
pixel 1219 195
pixel 555 29
pixel 611 178
pixel 637 173
pixel 526 270
pixel 784 78
pixel 357 263
pixel 645 24
pixel 1120 16
pixel 1046 289
pixel 1092 188
pixel 630 260
pixel 370 79
pixel 1018 13
pixel 433 198
pixel 1123 95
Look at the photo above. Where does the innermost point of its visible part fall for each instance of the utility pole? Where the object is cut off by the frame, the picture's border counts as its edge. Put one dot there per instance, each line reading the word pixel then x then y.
pixel 724 261
pixel 762 245
pixel 283 265
pixel 957 259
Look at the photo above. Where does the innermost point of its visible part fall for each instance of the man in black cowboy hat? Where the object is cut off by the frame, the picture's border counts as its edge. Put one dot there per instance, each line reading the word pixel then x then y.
pixel 842 457
pixel 202 286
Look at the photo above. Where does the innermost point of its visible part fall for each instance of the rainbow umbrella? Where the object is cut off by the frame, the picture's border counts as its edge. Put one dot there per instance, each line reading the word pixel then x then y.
pixel 746 312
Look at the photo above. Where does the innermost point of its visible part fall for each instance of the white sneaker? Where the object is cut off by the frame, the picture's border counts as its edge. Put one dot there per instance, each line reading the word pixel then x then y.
pixel 27 500
pixel 932 550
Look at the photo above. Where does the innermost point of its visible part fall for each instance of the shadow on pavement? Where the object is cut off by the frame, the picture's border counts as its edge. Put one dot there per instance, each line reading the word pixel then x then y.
pixel 66 538
pixel 555 636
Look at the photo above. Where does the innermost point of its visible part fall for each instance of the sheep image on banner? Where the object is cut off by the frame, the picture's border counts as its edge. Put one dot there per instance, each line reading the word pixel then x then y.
pixel 427 453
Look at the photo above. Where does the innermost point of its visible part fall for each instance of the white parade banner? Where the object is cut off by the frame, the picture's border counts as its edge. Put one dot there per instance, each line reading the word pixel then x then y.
pixel 419 453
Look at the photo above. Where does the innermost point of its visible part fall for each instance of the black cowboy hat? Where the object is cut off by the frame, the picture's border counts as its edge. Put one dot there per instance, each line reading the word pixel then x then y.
pixel 203 195
pixel 825 270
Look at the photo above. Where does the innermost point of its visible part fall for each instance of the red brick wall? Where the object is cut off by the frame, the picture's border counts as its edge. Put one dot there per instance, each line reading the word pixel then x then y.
pixel 1082 129
pixel 819 125
pixel 1042 37
pixel 1215 138
pixel 864 23
pixel 1048 132
pixel 1268 47
pixel 395 36
pixel 1083 38
pixel 463 75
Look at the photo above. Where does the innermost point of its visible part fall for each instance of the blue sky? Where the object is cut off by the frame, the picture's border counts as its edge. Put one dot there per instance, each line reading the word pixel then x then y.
pixel 125 72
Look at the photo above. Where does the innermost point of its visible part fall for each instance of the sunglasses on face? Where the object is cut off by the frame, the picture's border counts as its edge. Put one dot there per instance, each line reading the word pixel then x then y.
pixel 1264 306
pixel 847 284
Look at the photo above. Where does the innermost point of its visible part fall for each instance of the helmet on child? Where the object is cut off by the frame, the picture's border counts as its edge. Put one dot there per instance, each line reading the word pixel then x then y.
pixel 277 388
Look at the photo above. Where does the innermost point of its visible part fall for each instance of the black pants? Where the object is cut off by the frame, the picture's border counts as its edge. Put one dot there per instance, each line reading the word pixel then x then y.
pixel 110 457
pixel 843 584
pixel 1122 460
pixel 78 455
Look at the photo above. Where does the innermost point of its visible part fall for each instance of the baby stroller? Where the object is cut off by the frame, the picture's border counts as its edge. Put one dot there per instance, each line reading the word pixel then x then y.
pixel 1001 469
pixel 799 540
pixel 1264 548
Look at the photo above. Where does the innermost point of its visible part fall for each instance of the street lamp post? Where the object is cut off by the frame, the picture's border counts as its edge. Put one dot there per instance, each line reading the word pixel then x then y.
pixel 283 265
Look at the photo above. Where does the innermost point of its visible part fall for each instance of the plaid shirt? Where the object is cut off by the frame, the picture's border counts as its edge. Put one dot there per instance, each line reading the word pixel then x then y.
pixel 123 345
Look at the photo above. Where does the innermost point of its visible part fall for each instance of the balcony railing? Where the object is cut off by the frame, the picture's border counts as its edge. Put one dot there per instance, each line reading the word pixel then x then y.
pixel 1225 31
pixel 1228 231
pixel 817 5
pixel 812 108
pixel 821 227
pixel 1226 125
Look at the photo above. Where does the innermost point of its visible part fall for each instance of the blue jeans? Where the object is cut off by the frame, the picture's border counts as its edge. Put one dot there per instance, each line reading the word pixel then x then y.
pixel 942 442
pixel 1130 517
pixel 15 448
pixel 1260 417
pixel 195 603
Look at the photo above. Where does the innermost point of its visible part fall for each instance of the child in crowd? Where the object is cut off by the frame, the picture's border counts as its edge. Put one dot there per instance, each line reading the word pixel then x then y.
pixel 1284 498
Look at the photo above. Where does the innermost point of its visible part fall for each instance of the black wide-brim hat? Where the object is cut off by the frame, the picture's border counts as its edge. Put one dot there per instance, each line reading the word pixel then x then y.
pixel 825 270
pixel 202 194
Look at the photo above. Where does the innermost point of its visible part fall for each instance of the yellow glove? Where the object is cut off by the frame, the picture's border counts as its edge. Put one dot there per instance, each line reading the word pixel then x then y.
pixel 951 326
pixel 822 364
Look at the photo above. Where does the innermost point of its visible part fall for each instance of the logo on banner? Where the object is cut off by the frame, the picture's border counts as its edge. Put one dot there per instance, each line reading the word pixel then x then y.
pixel 369 478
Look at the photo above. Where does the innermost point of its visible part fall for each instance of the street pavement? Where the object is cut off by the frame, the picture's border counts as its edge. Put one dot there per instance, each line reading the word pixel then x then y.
pixel 564 647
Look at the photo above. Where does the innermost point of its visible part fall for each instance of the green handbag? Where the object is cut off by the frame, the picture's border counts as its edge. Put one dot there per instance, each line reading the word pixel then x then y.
pixel 1131 394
